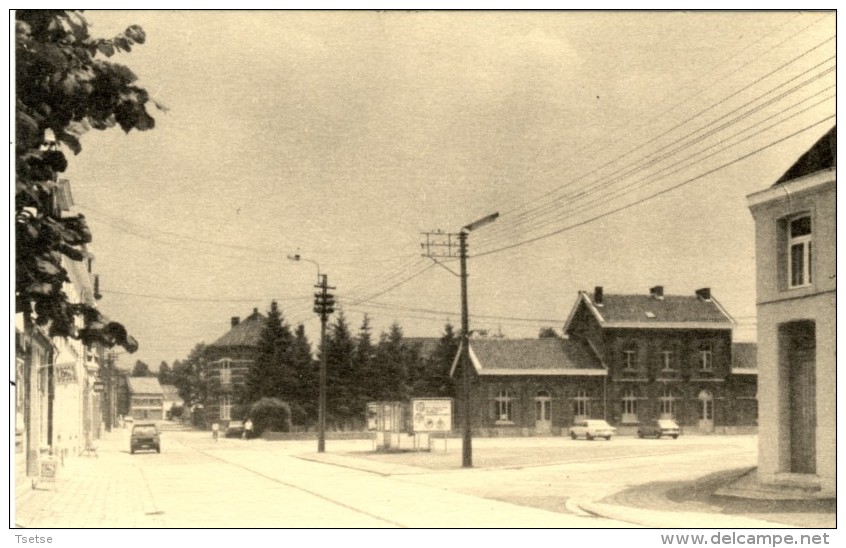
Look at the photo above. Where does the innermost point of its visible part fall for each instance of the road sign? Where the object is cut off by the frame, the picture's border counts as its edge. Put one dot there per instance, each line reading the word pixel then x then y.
pixel 431 414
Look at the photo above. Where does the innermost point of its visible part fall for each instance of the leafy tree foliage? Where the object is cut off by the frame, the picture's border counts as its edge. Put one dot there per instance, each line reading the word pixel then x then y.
pixel 270 414
pixel 187 377
pixel 64 86
pixel 165 373
pixel 141 369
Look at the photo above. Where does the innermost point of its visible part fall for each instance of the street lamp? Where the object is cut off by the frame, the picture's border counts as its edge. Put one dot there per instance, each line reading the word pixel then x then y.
pixel 323 306
pixel 467 443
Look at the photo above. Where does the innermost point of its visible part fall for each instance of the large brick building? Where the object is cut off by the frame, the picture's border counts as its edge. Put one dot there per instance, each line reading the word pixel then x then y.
pixel 227 362
pixel 624 358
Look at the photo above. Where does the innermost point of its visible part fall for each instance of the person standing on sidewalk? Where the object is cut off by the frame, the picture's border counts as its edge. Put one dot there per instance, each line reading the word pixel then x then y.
pixel 248 429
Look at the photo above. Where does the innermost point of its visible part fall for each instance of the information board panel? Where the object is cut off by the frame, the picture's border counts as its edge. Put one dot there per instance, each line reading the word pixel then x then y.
pixel 431 414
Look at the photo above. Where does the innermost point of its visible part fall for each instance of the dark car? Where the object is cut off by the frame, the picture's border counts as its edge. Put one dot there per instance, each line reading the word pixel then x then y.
pixel 235 429
pixel 145 436
pixel 658 428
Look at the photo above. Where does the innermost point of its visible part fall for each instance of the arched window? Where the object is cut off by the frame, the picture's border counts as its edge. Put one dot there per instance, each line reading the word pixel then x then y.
pixel 502 406
pixel 667 404
pixel 225 371
pixel 629 405
pixel 581 405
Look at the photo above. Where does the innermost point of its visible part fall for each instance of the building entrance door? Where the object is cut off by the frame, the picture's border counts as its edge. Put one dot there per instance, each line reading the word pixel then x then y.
pixel 801 357
pixel 706 411
pixel 543 406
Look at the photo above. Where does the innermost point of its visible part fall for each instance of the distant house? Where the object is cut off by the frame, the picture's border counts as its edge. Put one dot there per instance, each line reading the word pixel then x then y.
pixel 146 398
pixel 795 251
pixel 227 362
pixel 624 358
pixel 171 399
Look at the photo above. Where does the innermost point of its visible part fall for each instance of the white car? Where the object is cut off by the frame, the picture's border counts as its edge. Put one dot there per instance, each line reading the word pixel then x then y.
pixel 590 429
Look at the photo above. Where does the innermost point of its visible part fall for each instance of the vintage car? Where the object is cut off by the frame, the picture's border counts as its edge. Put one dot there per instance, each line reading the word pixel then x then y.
pixel 235 429
pixel 658 428
pixel 592 428
pixel 144 436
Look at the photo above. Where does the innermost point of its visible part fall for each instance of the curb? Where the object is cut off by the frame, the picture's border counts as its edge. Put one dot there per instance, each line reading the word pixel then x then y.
pixel 657 519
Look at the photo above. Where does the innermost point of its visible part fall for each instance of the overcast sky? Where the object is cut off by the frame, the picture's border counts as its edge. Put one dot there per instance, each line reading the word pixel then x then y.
pixel 619 149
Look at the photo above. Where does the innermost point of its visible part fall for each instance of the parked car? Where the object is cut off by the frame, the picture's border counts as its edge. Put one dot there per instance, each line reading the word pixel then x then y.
pixel 235 429
pixel 145 436
pixel 590 429
pixel 658 428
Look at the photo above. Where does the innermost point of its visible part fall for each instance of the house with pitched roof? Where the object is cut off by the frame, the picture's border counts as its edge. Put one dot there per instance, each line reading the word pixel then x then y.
pixel 146 398
pixel 796 268
pixel 625 359
pixel 226 364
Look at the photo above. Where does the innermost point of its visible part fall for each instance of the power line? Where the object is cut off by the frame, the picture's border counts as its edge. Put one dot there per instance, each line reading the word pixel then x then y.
pixel 663 191
pixel 197 299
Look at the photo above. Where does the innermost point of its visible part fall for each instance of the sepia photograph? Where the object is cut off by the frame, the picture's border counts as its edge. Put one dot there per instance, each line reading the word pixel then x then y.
pixel 436 269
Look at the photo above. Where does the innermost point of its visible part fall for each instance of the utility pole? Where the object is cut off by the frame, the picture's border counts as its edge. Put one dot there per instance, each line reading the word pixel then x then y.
pixel 324 305
pixel 439 240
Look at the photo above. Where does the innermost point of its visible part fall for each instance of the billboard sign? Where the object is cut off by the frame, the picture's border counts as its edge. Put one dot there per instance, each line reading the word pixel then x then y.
pixel 431 414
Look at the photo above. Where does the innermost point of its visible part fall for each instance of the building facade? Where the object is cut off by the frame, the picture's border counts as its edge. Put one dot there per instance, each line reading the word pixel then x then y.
pixel 226 364
pixel 625 359
pixel 795 235
pixel 146 399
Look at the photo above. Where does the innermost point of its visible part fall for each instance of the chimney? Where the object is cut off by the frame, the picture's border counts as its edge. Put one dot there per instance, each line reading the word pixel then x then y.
pixel 235 320
pixel 657 292
pixel 597 295
pixel 704 293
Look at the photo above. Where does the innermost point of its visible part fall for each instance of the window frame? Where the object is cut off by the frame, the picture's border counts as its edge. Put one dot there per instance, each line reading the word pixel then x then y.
pixel 667 357
pixel 581 402
pixel 504 407
pixel 225 372
pixel 806 243
pixel 705 357
pixel 630 358
pixel 225 407
pixel 667 404
pixel 630 406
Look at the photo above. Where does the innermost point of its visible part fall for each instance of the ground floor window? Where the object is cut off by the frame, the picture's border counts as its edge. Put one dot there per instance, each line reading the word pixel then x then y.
pixel 629 406
pixel 667 404
pixel 503 407
pixel 581 406
pixel 225 407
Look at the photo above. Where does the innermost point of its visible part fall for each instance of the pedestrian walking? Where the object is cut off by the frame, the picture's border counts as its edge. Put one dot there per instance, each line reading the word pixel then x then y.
pixel 248 429
pixel 215 431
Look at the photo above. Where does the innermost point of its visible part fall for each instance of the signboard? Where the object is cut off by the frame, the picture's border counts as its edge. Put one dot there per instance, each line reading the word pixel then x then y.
pixel 47 468
pixel 372 416
pixel 65 373
pixel 99 386
pixel 431 415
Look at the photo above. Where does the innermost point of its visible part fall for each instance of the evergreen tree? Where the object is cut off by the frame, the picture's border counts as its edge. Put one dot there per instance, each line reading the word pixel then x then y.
pixel 304 388
pixel 367 376
pixel 438 382
pixel 272 370
pixel 393 359
pixel 340 374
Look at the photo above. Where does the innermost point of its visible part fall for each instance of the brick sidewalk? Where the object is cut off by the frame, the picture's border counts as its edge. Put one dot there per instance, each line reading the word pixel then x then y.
pixel 105 491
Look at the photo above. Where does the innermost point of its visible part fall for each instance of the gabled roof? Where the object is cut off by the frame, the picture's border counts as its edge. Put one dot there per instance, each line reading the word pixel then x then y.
pixel 246 333
pixel 533 357
pixel 144 385
pixel 823 155
pixel 646 311
pixel 744 358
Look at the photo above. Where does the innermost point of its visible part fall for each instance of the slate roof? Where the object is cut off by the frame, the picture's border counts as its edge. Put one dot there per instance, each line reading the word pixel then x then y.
pixel 246 333
pixel 822 155
pixel 533 356
pixel 144 385
pixel 645 310
pixel 744 357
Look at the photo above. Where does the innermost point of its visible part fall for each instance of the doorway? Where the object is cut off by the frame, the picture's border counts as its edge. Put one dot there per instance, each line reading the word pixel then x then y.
pixel 543 416
pixel 800 339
